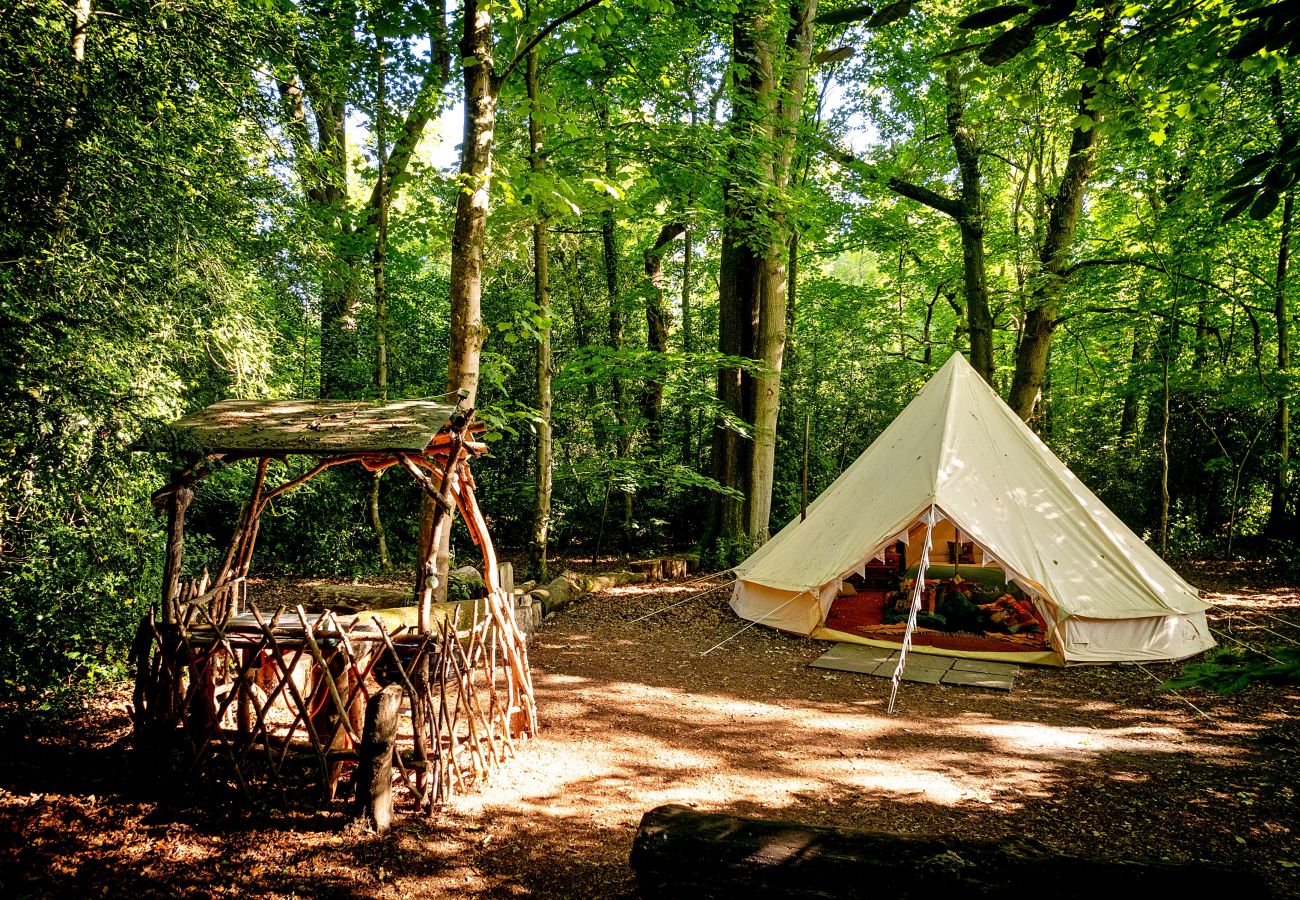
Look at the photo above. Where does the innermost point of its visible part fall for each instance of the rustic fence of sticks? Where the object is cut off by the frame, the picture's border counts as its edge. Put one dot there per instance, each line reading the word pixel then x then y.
pixel 272 704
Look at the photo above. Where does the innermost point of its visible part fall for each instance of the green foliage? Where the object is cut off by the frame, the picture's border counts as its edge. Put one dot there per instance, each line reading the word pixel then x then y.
pixel 1229 670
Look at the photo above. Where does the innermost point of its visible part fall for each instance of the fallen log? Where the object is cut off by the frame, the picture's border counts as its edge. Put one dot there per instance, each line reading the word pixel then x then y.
pixel 680 852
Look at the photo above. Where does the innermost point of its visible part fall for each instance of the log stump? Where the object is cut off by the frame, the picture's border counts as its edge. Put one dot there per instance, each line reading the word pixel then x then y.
pixel 372 803
pixel 679 852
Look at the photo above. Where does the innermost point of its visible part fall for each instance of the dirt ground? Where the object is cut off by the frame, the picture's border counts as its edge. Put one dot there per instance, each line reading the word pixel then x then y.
pixel 637 714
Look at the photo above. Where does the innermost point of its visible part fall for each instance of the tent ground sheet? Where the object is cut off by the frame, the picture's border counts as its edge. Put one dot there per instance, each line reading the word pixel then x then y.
pixel 920 667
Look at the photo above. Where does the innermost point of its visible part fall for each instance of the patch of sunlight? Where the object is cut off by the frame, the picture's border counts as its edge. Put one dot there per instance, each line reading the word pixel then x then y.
pixel 560 678
pixel 895 778
pixel 637 590
pixel 1035 737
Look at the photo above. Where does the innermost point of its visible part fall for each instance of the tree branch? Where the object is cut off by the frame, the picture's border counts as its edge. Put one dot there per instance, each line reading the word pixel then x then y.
pixel 1145 264
pixel 846 16
pixel 923 195
pixel 946 205
pixel 522 53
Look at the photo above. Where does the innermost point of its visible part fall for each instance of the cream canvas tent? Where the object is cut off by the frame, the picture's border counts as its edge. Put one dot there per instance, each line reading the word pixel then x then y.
pixel 958 449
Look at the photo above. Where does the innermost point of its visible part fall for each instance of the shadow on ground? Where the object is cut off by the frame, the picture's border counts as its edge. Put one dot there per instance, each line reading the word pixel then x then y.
pixel 637 714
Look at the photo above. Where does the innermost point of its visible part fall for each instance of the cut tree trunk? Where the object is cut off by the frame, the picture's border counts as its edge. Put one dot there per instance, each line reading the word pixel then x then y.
pixel 373 779
pixel 680 852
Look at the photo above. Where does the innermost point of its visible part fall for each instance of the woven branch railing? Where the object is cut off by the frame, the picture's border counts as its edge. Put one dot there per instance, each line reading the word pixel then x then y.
pixel 273 703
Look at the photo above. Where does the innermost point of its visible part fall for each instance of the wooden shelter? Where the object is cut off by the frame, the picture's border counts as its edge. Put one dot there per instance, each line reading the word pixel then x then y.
pixel 273 701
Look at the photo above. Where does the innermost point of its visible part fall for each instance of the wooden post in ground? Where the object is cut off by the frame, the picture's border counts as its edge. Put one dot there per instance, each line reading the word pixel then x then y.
pixel 168 697
pixel 178 501
pixel 373 781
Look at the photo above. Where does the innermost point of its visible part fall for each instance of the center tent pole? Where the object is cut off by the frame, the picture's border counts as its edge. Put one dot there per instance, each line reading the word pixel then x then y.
pixel 931 519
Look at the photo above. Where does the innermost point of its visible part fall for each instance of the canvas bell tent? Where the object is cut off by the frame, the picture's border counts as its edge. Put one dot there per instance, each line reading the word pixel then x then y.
pixel 1023 563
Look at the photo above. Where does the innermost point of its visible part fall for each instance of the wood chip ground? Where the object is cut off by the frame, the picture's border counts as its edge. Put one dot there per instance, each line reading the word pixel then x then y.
pixel 1092 760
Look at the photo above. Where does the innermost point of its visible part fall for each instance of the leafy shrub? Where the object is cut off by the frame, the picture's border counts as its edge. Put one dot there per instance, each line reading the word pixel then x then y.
pixel 1229 670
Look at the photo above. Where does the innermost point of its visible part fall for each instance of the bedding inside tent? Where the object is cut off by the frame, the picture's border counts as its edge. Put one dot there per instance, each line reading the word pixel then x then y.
pixel 968 602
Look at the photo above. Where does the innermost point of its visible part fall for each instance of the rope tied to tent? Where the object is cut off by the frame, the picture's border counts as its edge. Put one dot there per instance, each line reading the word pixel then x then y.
pixel 1228 637
pixel 755 622
pixel 695 596
pixel 1232 618
pixel 1158 680
pixel 918 589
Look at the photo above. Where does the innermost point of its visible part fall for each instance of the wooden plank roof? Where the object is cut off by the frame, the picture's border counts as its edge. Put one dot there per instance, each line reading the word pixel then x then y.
pixel 310 427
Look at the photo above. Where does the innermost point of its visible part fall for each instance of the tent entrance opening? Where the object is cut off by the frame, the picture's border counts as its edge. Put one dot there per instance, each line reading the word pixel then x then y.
pixel 965 605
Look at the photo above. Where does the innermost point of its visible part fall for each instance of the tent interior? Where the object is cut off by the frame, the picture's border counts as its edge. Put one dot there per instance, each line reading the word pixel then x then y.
pixel 969 603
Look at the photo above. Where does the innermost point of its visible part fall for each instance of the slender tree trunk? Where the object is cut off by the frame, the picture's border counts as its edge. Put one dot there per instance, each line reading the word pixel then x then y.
pixel 968 211
pixel 468 236
pixel 970 220
pixel 617 328
pixel 340 353
pixel 77 54
pixel 1164 463
pixel 1058 241
pixel 688 338
pixel 1278 516
pixel 542 298
pixel 771 334
pixel 469 232
pixel 1133 389
pixel 657 318
pixel 381 293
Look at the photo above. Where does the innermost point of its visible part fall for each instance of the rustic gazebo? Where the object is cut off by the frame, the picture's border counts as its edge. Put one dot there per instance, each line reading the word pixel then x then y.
pixel 273 700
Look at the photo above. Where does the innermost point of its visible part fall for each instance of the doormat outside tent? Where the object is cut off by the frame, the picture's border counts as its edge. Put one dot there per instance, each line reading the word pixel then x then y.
pixel 920 668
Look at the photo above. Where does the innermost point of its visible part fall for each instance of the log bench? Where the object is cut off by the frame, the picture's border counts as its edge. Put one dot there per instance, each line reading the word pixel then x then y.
pixel 680 852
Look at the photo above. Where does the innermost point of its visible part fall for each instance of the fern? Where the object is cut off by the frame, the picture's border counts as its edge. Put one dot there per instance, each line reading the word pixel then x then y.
pixel 1231 670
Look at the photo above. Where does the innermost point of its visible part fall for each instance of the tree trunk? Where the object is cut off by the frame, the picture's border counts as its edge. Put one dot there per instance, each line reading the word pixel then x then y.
pixel 379 259
pixel 737 295
pixel 1133 389
pixel 1278 515
pixel 468 237
pixel 657 319
pixel 1164 462
pixel 469 232
pixel 970 220
pixel 542 298
pixel 968 211
pixel 771 333
pixel 64 151
pixel 769 71
pixel 688 338
pixel 617 329
pixel 341 374
pixel 373 779
pixel 177 503
pixel 1058 241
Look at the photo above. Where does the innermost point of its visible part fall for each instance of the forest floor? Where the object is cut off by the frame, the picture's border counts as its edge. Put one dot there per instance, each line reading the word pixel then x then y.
pixel 1089 760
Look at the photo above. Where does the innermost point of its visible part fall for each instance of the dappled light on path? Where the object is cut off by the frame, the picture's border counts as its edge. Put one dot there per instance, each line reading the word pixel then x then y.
pixel 1088 760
